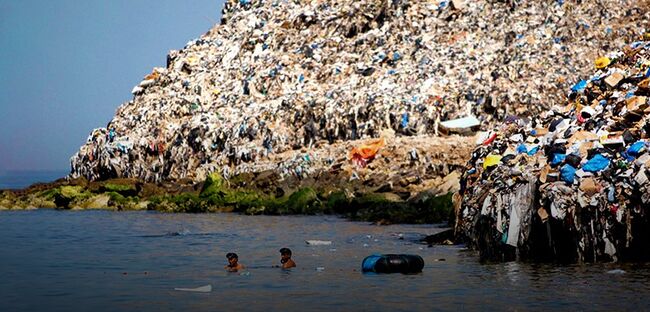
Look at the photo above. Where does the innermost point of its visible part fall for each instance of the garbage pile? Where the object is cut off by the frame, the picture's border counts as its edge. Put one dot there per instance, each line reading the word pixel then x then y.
pixel 572 183
pixel 276 76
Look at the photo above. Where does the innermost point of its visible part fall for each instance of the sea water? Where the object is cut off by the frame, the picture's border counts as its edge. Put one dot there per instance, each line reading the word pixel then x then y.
pixel 54 260
pixel 106 261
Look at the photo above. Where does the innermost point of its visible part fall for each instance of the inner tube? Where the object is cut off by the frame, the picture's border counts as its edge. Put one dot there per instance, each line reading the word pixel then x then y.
pixel 404 264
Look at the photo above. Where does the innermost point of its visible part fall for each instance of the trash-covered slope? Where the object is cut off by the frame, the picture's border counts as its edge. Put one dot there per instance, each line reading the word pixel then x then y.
pixel 572 183
pixel 284 75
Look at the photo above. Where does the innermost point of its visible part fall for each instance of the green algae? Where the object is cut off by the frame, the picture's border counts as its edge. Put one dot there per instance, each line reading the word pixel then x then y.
pixel 217 194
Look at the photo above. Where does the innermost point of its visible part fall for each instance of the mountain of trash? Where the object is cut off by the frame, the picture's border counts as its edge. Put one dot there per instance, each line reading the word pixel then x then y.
pixel 281 75
pixel 570 184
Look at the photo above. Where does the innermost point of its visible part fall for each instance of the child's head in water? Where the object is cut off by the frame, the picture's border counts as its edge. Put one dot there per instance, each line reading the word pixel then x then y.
pixel 233 262
pixel 232 258
pixel 285 254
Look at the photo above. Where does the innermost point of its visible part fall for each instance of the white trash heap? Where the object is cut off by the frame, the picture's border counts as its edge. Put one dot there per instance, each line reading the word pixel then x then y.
pixel 276 76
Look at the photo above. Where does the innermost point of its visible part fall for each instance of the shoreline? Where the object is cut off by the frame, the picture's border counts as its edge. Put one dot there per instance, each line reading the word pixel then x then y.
pixel 409 180
pixel 213 196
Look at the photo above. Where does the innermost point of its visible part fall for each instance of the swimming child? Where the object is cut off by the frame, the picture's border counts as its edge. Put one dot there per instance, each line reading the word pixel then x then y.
pixel 285 259
pixel 233 262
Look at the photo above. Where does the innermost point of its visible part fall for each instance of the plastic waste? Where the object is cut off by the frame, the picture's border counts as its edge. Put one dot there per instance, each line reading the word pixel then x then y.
pixel 491 160
pixel 461 125
pixel 568 173
pixel 558 159
pixel 596 163
pixel 602 62
pixel 368 151
pixel 318 242
pixel 202 289
pixel 636 149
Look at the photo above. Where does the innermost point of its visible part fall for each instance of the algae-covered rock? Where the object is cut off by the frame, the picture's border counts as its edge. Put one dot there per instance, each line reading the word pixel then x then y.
pixel 303 201
pixel 385 208
pixel 213 186
pixel 187 203
pixel 150 189
pixel 97 202
pixel 6 199
pixel 337 202
pixel 66 195
pixel 125 187
pixel 37 200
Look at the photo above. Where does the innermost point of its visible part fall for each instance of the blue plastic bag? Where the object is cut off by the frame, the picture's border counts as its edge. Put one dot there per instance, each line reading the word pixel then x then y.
pixel 636 149
pixel 533 151
pixel 405 120
pixel 611 193
pixel 596 163
pixel 627 156
pixel 558 159
pixel 521 149
pixel 568 173
pixel 580 86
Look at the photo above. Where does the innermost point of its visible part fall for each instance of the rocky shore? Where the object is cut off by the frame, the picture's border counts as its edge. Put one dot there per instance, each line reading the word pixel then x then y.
pixel 400 184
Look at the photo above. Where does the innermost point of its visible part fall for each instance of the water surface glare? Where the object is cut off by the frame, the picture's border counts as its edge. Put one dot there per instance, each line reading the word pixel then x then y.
pixel 107 261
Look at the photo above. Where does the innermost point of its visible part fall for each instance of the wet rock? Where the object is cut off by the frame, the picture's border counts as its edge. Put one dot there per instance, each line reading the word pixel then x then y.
pixel 445 237
pixel 65 196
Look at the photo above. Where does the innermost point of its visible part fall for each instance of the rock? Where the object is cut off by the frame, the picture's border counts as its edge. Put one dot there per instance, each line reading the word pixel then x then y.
pixel 445 237
pixel 66 195
pixel 97 202
pixel 450 183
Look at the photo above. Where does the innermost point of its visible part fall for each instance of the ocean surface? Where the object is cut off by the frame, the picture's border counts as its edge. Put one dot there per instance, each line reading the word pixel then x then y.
pixel 18 179
pixel 132 261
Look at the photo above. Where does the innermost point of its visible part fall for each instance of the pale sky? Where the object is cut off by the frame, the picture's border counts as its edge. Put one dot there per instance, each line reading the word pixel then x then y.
pixel 66 65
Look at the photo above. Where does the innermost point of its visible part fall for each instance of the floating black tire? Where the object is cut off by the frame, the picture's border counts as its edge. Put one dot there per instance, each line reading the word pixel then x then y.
pixel 393 264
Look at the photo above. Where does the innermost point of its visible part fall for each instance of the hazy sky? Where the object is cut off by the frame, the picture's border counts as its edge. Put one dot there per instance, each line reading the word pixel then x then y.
pixel 66 65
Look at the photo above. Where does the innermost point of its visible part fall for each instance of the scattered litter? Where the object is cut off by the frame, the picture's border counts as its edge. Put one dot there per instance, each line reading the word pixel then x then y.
pixel 202 289
pixel 465 125
pixel 319 242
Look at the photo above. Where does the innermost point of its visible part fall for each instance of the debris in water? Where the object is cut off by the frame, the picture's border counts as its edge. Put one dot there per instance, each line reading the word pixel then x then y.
pixel 202 289
pixel 318 242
